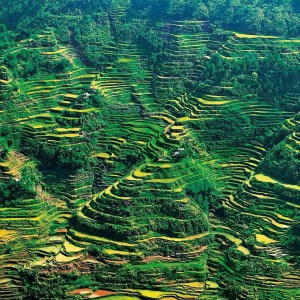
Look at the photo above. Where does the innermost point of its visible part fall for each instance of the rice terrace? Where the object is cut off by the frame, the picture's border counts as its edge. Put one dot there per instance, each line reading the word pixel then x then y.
pixel 150 149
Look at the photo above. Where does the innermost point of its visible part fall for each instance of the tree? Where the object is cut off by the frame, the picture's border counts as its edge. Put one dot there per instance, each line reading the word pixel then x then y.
pixel 291 239
pixel 74 157
pixel 3 148
pixel 201 191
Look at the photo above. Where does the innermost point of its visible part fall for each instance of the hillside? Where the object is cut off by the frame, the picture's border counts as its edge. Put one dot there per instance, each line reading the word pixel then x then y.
pixel 150 150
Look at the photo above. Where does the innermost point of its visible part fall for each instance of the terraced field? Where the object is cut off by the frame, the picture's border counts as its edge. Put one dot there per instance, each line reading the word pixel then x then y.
pixel 153 240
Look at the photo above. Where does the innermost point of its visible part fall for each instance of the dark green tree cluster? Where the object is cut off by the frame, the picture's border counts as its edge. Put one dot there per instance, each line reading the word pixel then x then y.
pixel 282 163
pixel 202 191
pixel 28 63
pixel 70 158
pixel 9 139
pixel 269 78
pixel 269 16
pixel 15 189
pixel 37 287
pixel 291 240
pixel 3 147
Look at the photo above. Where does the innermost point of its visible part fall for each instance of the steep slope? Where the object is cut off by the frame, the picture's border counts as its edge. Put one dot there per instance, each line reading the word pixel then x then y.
pixel 156 176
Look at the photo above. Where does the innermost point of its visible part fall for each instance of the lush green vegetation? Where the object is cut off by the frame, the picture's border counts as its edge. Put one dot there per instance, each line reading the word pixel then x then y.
pixel 16 189
pixel 283 163
pixel 271 17
pixel 149 149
